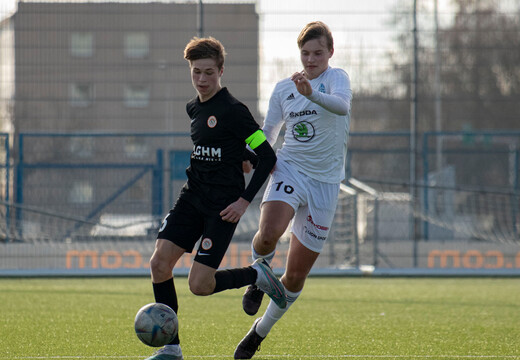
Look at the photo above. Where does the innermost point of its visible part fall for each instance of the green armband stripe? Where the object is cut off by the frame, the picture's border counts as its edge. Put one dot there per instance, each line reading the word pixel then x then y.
pixel 256 139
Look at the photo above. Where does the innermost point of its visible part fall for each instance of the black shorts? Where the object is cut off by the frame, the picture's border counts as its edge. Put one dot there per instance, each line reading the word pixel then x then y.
pixel 185 224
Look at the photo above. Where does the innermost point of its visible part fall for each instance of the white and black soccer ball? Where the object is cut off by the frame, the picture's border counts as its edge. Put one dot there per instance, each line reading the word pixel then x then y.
pixel 156 324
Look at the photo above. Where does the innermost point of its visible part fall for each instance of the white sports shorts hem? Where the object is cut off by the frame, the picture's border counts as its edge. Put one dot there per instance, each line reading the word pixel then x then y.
pixel 314 203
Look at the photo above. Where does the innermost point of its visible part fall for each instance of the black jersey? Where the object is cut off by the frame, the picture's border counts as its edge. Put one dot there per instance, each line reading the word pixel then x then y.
pixel 219 129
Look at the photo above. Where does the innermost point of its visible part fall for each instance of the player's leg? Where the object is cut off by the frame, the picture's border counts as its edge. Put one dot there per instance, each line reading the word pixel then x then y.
pixel 275 216
pixel 274 219
pixel 310 229
pixel 283 195
pixel 204 279
pixel 299 263
pixel 178 234
pixel 164 258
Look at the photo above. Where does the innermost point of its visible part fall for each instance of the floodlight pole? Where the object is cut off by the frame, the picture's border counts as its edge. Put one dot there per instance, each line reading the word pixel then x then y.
pixel 413 139
pixel 438 104
pixel 200 19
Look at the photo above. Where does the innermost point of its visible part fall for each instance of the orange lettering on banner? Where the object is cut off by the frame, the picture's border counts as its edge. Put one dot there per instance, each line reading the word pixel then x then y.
pixel 278 260
pixel 467 259
pixel 133 259
pixel 499 262
pixel 138 259
pixel 105 260
pixel 245 258
pixel 82 256
pixel 473 259
pixel 224 261
pixel 443 255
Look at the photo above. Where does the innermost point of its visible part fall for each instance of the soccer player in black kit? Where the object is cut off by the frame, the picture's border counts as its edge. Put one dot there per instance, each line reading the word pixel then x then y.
pixel 215 196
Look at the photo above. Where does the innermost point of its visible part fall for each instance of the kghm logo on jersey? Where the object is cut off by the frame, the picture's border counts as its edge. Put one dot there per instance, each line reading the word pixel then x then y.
pixel 212 121
pixel 322 88
pixel 303 131
pixel 206 153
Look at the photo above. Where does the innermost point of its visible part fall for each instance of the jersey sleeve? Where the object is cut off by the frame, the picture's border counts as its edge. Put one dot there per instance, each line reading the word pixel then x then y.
pixel 274 118
pixel 266 161
pixel 340 97
pixel 246 128
pixel 242 124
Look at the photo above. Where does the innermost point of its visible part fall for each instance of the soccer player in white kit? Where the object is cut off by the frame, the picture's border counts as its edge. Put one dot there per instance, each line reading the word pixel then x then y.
pixel 314 105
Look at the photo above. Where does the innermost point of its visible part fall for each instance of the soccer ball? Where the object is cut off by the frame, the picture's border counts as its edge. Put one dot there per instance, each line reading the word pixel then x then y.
pixel 156 324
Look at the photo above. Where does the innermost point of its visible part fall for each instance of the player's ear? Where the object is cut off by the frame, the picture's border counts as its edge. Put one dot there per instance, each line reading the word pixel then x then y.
pixel 221 71
pixel 331 52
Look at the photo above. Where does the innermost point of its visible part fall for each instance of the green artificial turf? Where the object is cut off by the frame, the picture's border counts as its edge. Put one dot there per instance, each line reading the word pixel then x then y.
pixel 334 318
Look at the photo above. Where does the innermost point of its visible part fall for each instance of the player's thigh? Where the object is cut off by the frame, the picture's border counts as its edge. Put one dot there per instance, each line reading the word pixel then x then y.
pixel 165 256
pixel 183 225
pixel 275 216
pixel 215 240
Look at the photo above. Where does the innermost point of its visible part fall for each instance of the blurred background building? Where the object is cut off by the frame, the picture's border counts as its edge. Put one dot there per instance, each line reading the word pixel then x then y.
pixel 116 66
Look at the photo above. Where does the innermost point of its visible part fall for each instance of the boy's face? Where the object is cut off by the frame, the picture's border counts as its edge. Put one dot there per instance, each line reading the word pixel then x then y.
pixel 315 55
pixel 205 77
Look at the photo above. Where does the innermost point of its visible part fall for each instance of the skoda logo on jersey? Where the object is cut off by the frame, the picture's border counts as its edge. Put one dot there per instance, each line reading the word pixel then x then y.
pixel 322 88
pixel 303 131
pixel 212 121
pixel 294 114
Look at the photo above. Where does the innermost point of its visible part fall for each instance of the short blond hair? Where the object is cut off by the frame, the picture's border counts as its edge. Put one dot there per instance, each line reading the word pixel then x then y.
pixel 315 30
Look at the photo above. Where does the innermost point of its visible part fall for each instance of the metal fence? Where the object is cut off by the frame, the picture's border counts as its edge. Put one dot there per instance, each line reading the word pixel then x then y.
pixel 92 203
pixel 90 200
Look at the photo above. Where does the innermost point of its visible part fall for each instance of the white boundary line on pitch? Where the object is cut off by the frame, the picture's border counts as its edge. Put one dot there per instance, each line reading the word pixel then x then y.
pixel 278 356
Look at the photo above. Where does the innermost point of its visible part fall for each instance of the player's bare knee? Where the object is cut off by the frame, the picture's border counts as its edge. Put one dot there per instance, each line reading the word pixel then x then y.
pixel 294 280
pixel 200 289
pixel 268 238
pixel 159 268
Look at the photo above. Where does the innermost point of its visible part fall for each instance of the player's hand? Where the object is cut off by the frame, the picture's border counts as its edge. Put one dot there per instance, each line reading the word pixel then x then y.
pixel 247 166
pixel 234 211
pixel 302 84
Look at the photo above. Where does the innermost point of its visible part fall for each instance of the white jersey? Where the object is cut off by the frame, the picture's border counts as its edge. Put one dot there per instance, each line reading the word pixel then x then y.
pixel 317 126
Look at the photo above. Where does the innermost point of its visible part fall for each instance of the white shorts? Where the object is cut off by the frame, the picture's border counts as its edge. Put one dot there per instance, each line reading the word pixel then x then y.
pixel 314 203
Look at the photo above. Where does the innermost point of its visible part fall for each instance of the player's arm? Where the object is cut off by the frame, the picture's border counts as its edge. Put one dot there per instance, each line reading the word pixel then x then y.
pixel 339 99
pixel 266 160
pixel 249 161
pixel 338 103
pixel 273 121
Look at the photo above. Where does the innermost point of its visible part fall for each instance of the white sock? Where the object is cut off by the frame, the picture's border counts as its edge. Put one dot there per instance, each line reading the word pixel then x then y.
pixel 256 255
pixel 273 313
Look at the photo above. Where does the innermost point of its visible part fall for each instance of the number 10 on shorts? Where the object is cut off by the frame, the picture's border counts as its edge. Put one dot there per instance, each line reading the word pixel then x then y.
pixel 288 189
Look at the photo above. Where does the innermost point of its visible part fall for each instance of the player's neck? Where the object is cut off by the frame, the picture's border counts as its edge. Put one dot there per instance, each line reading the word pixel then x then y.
pixel 206 97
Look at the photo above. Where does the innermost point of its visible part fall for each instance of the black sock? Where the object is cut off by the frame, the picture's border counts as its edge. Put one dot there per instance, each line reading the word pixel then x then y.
pixel 234 278
pixel 165 293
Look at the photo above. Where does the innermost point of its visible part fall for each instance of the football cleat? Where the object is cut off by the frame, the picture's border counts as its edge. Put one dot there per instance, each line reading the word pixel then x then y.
pixel 166 353
pixel 269 284
pixel 252 300
pixel 249 344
